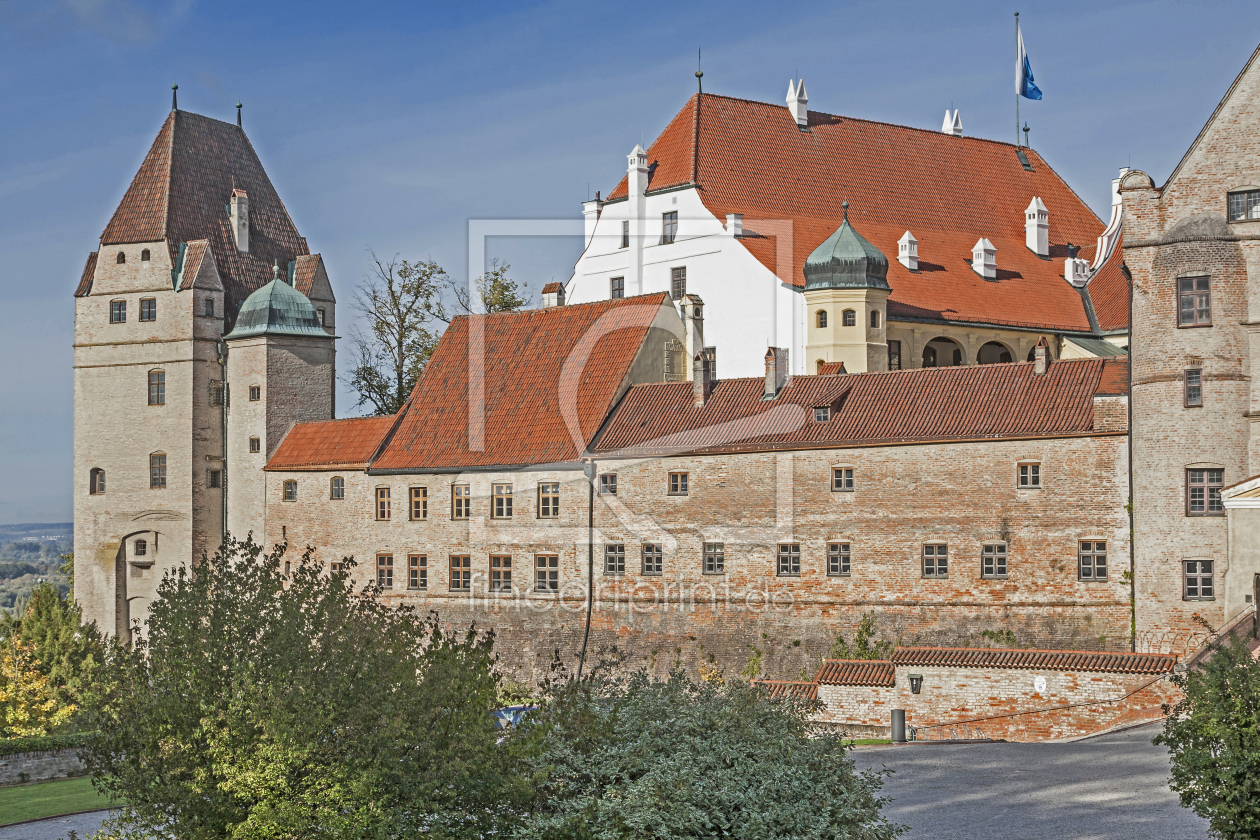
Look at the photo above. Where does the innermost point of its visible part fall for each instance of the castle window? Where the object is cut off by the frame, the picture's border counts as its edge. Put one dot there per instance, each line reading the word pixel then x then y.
pixel 822 318
pixel 501 501
pixel 678 282
pixel 385 571
pixel 1197 584
pixel 1194 388
pixel 320 312
pixel 255 445
pixel 548 499
pixel 822 413
pixel 121 258
pixel 669 227
pixel 714 558
pixel 547 573
pixel 118 311
pixel 1244 205
pixel 209 310
pixel 615 559
pixel 1194 296
pixel 678 483
pixel 417 572
pixel 290 491
pixel 1030 476
pixel 157 471
pixel 255 393
pixel 96 481
pixel 144 255
pixel 419 503
pixel 617 288
pixel 1203 492
pixel 157 387
pixel 214 479
pixel 790 560
pixel 461 573
pixel 461 501
pixel 625 234
pixel 139 548
pixel 382 503
pixel 874 319
pixel 335 566
pixel 894 355
pixel 848 318
pixel 148 309
pixel 500 573
pixel 993 560
pixel 337 487
pixel 1093 560
pixel 838 556
pixel 652 559
pixel 842 479
pixel 608 484
pixel 935 560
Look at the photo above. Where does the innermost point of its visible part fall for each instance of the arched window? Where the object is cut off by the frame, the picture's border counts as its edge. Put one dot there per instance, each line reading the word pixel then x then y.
pixel 96 481
pixel 822 317
pixel 820 364
pixel 144 255
pixel 140 548
pixel 290 491
pixel 874 319
pixel 121 258
pixel 849 318
pixel 993 353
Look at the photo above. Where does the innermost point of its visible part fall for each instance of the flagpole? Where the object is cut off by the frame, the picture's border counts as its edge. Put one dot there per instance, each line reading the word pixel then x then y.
pixel 1017 87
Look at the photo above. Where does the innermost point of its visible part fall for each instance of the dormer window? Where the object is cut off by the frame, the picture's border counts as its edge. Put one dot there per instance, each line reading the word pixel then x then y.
pixel 822 413
pixel 1244 205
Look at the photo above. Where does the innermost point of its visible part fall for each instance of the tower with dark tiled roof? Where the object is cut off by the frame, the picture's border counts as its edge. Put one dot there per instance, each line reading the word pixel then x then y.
pixel 198 230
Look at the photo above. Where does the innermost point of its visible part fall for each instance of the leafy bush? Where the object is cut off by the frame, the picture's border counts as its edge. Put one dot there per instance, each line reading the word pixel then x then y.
pixel 865 644
pixel 46 743
pixel 1213 736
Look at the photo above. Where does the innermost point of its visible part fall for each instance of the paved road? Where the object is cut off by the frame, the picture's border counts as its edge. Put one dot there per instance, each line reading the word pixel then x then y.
pixel 1115 786
pixel 56 828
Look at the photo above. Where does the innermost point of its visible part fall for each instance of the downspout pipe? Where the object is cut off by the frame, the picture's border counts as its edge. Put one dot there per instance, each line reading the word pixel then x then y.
pixel 1132 508
pixel 588 468
pixel 223 423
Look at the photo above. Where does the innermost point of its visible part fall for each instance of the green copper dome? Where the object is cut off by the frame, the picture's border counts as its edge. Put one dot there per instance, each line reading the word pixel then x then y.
pixel 277 309
pixel 846 260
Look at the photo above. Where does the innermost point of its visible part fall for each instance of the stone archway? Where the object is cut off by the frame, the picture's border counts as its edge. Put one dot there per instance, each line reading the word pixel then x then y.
pixel 942 352
pixel 994 353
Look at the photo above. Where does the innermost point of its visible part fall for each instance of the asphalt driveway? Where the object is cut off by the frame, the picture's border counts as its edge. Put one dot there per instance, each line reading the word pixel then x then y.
pixel 1114 786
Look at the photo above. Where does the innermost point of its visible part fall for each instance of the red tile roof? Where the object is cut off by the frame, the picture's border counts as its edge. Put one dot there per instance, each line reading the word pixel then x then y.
pixel 1045 660
pixel 750 158
pixel 552 288
pixel 304 272
pixel 787 688
pixel 330 444
pixel 1109 292
pixel 193 255
pixel 1115 378
pixel 85 279
pixel 977 402
pixel 549 379
pixel 855 672
pixel 181 192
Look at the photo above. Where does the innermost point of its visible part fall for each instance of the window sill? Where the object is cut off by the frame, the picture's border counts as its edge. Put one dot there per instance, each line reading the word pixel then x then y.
pixel 834 490
pixel 788 574
pixel 994 577
pixel 1220 515
pixel 1021 487
pixel 935 577
pixel 417 589
pixel 651 574
pixel 714 574
pixel 839 574
pixel 460 591
pixel 614 574
pixel 1091 580
pixel 677 494
pixel 1193 326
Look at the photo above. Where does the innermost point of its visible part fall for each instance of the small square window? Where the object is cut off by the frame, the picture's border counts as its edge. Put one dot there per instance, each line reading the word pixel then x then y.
pixel 1244 205
pixel 678 484
pixel 148 309
pixel 714 558
pixel 214 479
pixel 1198 581
pixel 608 484
pixel 842 479
pixel 625 234
pixel 1203 492
pixel 385 571
pixel 615 559
pixel 1194 387
pixel 548 499
pixel 140 548
pixel 417 571
pixel 789 560
pixel 838 557
pixel 935 560
pixel 1194 301
pixel 500 573
pixel 118 311
pixel 993 560
pixel 337 488
pixel 501 501
pixel 617 288
pixel 669 227
pixel 822 413
pixel 678 282
pixel 547 573
pixel 290 491
pixel 1029 476
pixel 255 393
pixel 461 501
pixel 419 503
pixel 652 559
pixel 96 480
pixel 461 573
pixel 383 504
pixel 335 566
pixel 1093 560
pixel 255 445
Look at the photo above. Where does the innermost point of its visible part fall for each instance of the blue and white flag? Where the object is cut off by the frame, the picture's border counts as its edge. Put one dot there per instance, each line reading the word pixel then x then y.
pixel 1023 71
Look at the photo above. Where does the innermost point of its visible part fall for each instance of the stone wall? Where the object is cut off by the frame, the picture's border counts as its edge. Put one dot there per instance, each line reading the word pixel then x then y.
pixel 20 768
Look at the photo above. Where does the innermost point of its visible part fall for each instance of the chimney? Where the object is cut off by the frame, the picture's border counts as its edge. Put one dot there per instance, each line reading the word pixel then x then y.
pixel 908 251
pixel 1075 270
pixel 702 376
pixel 776 371
pixel 734 224
pixel 1037 228
pixel 238 209
pixel 637 171
pixel 1041 357
pixel 984 259
pixel 590 216
pixel 952 123
pixel 797 99
pixel 693 324
pixel 553 295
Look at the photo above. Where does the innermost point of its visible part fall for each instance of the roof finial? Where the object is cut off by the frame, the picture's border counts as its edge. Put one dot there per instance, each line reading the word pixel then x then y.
pixel 238 113
pixel 845 205
pixel 275 270
pixel 175 97
pixel 1026 146
pixel 699 73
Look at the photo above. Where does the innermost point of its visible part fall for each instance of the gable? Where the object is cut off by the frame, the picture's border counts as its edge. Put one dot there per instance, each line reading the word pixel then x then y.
pixel 311 279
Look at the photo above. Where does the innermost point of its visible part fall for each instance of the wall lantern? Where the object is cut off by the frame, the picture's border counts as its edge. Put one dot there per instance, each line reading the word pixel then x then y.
pixel 916 683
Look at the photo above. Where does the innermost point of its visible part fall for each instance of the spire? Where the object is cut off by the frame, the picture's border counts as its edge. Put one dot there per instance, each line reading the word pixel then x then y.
pixel 174 97
pixel 238 113
pixel 699 73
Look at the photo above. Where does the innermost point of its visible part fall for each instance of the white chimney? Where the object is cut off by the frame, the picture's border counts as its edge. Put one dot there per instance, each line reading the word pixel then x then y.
pixel 1076 270
pixel 908 251
pixel 553 295
pixel 952 123
pixel 590 216
pixel 637 171
pixel 734 224
pixel 1037 228
pixel 797 99
pixel 984 259
pixel 238 209
pixel 1041 357
pixel 776 371
pixel 693 324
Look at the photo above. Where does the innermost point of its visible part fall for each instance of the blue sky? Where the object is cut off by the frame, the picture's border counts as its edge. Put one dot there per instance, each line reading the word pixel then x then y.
pixel 388 126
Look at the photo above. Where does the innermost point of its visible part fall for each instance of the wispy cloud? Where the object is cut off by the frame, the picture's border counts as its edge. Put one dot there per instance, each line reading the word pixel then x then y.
pixel 117 21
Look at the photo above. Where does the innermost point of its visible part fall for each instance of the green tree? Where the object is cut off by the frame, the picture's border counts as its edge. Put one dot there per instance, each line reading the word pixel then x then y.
pixel 269 704
pixel 65 649
pixel 642 758
pixel 865 644
pixel 28 702
pixel 1213 737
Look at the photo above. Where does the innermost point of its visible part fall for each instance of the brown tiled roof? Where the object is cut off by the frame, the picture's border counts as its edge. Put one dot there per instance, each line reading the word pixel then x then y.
pixel 329 444
pixel 85 280
pixel 181 193
pixel 831 369
pixel 1114 379
pixel 193 255
pixel 1109 292
pixel 1045 660
pixel 977 402
pixel 549 380
pixel 786 688
pixel 751 158
pixel 304 271
pixel 552 288
pixel 855 672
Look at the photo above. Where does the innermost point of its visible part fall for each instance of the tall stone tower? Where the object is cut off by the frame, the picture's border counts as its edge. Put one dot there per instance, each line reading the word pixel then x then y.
pixel 198 230
pixel 1192 248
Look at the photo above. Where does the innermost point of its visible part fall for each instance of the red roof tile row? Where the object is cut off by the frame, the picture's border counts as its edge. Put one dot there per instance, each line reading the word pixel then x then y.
pixel 788 688
pixel 878 672
pixel 329 444
pixel 85 279
pixel 1046 660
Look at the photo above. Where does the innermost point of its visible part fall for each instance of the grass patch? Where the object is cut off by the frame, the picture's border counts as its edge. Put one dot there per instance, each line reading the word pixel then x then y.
pixel 867 742
pixel 49 799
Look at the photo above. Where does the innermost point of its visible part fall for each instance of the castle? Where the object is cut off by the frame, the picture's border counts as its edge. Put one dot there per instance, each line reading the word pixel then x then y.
pixel 966 377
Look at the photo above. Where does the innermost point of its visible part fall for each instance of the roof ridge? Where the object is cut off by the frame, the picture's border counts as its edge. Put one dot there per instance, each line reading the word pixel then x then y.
pixel 1034 650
